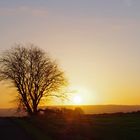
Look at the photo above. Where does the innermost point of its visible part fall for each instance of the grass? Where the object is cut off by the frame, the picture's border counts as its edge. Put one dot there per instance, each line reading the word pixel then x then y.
pixel 124 127
pixel 86 127
pixel 30 129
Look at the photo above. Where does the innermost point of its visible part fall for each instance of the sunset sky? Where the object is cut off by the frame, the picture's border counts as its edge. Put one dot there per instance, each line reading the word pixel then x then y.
pixel 96 43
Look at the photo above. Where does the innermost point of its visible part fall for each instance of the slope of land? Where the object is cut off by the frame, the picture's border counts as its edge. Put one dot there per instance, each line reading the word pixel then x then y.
pixel 99 109
pixel 91 127
pixel 9 130
pixel 88 109
pixel 118 126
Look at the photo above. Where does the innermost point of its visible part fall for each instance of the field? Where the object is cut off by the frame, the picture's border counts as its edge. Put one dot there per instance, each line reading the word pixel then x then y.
pixel 118 126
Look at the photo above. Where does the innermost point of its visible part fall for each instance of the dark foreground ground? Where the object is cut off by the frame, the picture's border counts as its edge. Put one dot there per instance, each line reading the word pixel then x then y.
pixel 83 127
pixel 10 130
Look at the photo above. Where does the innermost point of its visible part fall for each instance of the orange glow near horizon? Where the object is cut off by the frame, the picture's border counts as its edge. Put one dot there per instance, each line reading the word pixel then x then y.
pixel 81 96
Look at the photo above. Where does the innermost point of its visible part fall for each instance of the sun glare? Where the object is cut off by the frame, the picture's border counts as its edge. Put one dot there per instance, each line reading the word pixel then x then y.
pixel 81 96
pixel 77 99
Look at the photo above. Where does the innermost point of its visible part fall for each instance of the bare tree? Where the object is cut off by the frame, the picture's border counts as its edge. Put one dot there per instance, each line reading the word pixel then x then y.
pixel 34 75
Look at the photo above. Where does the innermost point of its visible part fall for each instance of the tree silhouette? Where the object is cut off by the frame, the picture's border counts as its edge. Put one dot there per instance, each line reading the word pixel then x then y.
pixel 34 75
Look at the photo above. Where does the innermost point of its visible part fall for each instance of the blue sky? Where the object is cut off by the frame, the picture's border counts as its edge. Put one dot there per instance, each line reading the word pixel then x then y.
pixel 118 8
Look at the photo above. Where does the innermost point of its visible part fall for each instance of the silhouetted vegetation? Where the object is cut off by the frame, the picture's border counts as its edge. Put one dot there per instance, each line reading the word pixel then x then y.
pixel 65 124
pixel 64 113
pixel 116 126
pixel 34 74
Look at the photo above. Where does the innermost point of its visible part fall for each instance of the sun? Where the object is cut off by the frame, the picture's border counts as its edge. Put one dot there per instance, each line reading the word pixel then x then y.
pixel 77 99
pixel 80 95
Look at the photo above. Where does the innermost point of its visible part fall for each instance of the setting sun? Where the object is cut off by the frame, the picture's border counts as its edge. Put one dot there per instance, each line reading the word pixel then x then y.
pixel 77 99
pixel 79 96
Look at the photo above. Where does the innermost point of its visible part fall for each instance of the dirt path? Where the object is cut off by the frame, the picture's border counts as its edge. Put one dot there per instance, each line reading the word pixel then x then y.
pixel 12 131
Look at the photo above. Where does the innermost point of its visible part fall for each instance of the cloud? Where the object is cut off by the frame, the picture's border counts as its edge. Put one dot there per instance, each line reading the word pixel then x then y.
pixel 37 12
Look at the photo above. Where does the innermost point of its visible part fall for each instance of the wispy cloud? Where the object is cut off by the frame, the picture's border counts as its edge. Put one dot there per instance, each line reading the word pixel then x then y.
pixel 39 12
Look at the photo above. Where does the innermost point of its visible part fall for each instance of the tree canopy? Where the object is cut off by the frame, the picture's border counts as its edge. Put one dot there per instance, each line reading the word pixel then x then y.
pixel 34 74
